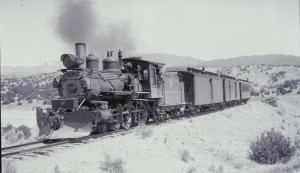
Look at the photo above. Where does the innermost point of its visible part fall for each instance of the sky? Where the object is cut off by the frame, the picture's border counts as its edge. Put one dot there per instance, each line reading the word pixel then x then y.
pixel 33 32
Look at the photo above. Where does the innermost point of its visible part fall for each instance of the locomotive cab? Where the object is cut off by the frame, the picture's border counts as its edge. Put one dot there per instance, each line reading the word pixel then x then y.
pixel 149 74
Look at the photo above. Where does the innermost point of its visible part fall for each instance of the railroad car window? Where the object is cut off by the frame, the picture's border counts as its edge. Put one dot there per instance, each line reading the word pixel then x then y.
pixel 245 88
pixel 153 76
pixel 229 87
pixel 211 89
pixel 145 71
pixel 235 89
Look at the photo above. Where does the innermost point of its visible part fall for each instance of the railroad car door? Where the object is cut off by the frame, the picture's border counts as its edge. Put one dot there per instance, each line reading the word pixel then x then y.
pixel 188 80
pixel 224 90
pixel 143 72
pixel 155 85
pixel 235 90
pixel 240 86
pixel 211 90
pixel 229 89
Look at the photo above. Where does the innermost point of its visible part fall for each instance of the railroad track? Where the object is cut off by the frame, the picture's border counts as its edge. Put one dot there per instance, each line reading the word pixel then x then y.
pixel 43 147
pixel 29 149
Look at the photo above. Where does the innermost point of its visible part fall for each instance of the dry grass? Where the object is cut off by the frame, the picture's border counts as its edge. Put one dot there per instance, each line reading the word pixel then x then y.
pixel 185 156
pixel 292 166
pixel 112 165
pixel 215 170
pixel 146 132
pixel 191 170
pixel 8 167
pixel 56 169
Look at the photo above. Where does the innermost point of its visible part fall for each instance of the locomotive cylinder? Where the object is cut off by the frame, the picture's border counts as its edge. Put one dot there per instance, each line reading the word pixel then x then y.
pixel 103 114
pixel 80 49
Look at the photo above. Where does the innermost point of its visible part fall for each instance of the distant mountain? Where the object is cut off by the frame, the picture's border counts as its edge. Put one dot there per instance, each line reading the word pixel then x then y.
pixel 20 70
pixel 171 60
pixel 272 59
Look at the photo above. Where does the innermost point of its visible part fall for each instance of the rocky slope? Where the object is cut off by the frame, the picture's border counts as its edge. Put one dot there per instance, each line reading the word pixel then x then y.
pixel 272 59
pixel 265 79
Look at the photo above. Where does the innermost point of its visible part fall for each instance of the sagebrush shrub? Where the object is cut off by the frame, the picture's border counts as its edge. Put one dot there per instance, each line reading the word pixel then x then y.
pixel 214 170
pixel 185 156
pixel 56 169
pixel 12 135
pixel 6 128
pixel 146 132
pixel 6 102
pixel 112 166
pixel 26 131
pixel 191 170
pixel 46 102
pixel 270 148
pixel 11 99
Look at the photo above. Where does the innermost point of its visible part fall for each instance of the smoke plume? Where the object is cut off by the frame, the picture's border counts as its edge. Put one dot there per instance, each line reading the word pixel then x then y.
pixel 78 22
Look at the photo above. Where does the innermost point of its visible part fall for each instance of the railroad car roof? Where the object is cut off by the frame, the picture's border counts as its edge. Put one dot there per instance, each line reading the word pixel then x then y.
pixel 141 60
pixel 190 70
pixel 199 71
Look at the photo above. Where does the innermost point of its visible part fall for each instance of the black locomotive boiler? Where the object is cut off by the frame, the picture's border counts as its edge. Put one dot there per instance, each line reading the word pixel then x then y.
pixel 130 92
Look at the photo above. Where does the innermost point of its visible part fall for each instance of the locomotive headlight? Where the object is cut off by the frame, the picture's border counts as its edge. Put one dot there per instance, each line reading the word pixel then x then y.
pixel 72 88
pixel 71 61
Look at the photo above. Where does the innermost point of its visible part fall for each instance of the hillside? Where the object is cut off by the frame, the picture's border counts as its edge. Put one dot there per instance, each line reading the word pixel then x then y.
pixel 265 79
pixel 272 59
pixel 213 143
pixel 16 90
pixel 20 70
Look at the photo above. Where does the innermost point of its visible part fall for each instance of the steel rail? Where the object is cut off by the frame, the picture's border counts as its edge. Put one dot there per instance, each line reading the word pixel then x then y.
pixel 21 145
pixel 70 141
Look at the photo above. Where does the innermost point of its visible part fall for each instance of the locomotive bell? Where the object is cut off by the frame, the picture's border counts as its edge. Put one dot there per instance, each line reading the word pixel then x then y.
pixel 92 62
pixel 111 63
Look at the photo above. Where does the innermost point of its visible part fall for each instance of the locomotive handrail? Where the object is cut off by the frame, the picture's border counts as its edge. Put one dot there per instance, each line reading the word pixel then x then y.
pixel 126 92
pixel 33 108
pixel 81 104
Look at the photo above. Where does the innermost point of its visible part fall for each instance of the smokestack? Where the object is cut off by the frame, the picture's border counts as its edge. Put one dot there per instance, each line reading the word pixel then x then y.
pixel 80 49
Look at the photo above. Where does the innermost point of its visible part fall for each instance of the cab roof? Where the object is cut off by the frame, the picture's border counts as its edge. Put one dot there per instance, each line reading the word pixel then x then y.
pixel 139 59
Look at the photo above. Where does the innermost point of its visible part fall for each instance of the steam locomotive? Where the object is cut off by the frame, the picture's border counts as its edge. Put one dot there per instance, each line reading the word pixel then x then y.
pixel 130 92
